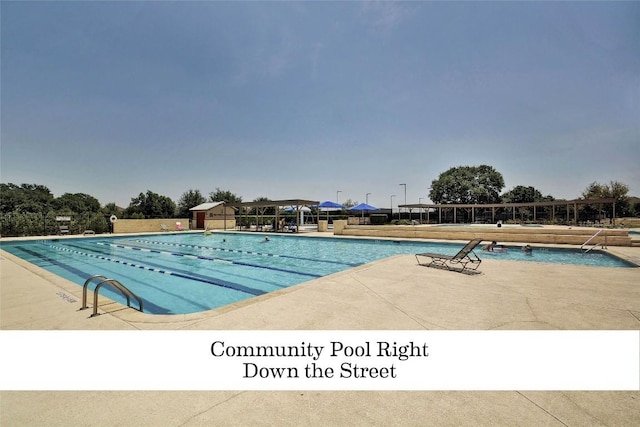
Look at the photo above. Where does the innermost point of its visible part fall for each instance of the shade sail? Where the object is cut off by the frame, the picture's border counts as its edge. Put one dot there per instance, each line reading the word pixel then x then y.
pixel 330 205
pixel 363 207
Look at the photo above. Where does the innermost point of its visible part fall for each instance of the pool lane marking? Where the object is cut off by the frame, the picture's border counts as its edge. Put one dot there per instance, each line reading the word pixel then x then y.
pixel 69 268
pixel 218 282
pixel 159 309
pixel 149 306
pixel 239 251
pixel 242 277
pixel 83 275
pixel 205 258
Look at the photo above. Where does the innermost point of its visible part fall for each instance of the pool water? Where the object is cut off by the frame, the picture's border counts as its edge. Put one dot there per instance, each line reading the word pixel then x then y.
pixel 182 273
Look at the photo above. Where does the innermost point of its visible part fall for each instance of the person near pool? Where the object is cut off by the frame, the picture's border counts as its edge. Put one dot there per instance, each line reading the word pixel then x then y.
pixel 527 249
pixel 494 247
pixel 490 246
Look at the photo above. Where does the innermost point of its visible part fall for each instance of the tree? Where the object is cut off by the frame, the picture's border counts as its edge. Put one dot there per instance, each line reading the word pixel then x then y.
pixel 522 194
pixel 111 209
pixel 188 200
pixel 224 196
pixel 31 209
pixel 24 198
pixel 635 208
pixel 615 190
pixel 151 205
pixel 467 185
pixel 77 203
pixel 349 203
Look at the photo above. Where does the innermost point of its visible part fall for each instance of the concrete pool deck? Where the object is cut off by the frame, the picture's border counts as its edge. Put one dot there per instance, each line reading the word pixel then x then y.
pixel 391 294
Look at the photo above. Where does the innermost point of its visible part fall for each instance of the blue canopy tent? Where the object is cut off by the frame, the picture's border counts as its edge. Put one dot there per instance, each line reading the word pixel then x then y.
pixel 330 206
pixel 363 207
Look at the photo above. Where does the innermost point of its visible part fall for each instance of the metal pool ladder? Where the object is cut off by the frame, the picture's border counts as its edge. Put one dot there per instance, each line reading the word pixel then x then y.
pixel 106 281
pixel 582 248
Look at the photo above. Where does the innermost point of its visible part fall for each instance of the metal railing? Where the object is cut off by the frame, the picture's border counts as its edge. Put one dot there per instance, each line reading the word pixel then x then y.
pixel 582 247
pixel 106 281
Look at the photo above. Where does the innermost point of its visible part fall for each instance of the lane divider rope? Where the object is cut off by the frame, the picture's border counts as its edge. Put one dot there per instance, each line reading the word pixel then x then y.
pixel 205 258
pixel 162 271
pixel 239 251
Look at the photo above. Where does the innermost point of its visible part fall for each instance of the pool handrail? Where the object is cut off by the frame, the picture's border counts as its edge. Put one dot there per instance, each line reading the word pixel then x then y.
pixel 84 288
pixel 582 248
pixel 115 284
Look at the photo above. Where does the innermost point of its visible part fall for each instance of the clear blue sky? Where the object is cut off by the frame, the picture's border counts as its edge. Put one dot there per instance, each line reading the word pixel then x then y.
pixel 302 99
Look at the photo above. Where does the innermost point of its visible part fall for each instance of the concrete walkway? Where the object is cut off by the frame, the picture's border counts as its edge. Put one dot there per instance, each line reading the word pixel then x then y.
pixel 392 294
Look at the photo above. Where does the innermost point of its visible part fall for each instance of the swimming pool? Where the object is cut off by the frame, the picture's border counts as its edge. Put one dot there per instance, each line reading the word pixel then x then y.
pixel 182 273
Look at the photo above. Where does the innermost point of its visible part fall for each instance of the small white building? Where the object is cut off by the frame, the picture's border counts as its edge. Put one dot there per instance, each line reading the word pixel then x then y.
pixel 213 216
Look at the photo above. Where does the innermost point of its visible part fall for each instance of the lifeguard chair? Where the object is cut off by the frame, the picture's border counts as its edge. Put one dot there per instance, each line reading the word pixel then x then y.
pixel 63 224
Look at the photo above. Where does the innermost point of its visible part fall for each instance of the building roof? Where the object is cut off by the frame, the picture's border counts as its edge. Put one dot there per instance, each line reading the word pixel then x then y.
pixel 511 205
pixel 268 203
pixel 206 206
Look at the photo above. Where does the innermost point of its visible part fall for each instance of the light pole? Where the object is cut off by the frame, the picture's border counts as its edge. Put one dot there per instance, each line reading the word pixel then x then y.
pixel 338 192
pixel 420 202
pixel 392 196
pixel 367 198
pixel 405 198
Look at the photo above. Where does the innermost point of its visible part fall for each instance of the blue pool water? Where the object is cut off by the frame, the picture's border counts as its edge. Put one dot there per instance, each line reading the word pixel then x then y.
pixel 186 272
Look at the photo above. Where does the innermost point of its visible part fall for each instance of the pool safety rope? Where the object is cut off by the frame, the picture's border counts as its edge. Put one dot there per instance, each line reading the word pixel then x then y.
pixel 205 258
pixel 221 283
pixel 238 251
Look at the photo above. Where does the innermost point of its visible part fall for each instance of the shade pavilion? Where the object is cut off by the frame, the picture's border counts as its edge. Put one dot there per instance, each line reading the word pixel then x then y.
pixel 260 207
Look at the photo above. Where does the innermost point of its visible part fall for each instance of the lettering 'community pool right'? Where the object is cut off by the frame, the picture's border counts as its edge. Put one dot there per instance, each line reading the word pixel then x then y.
pixel 182 273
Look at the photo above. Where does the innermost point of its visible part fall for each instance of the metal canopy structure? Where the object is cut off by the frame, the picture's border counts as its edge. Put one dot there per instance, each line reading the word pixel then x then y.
pixel 261 206
pixel 512 207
